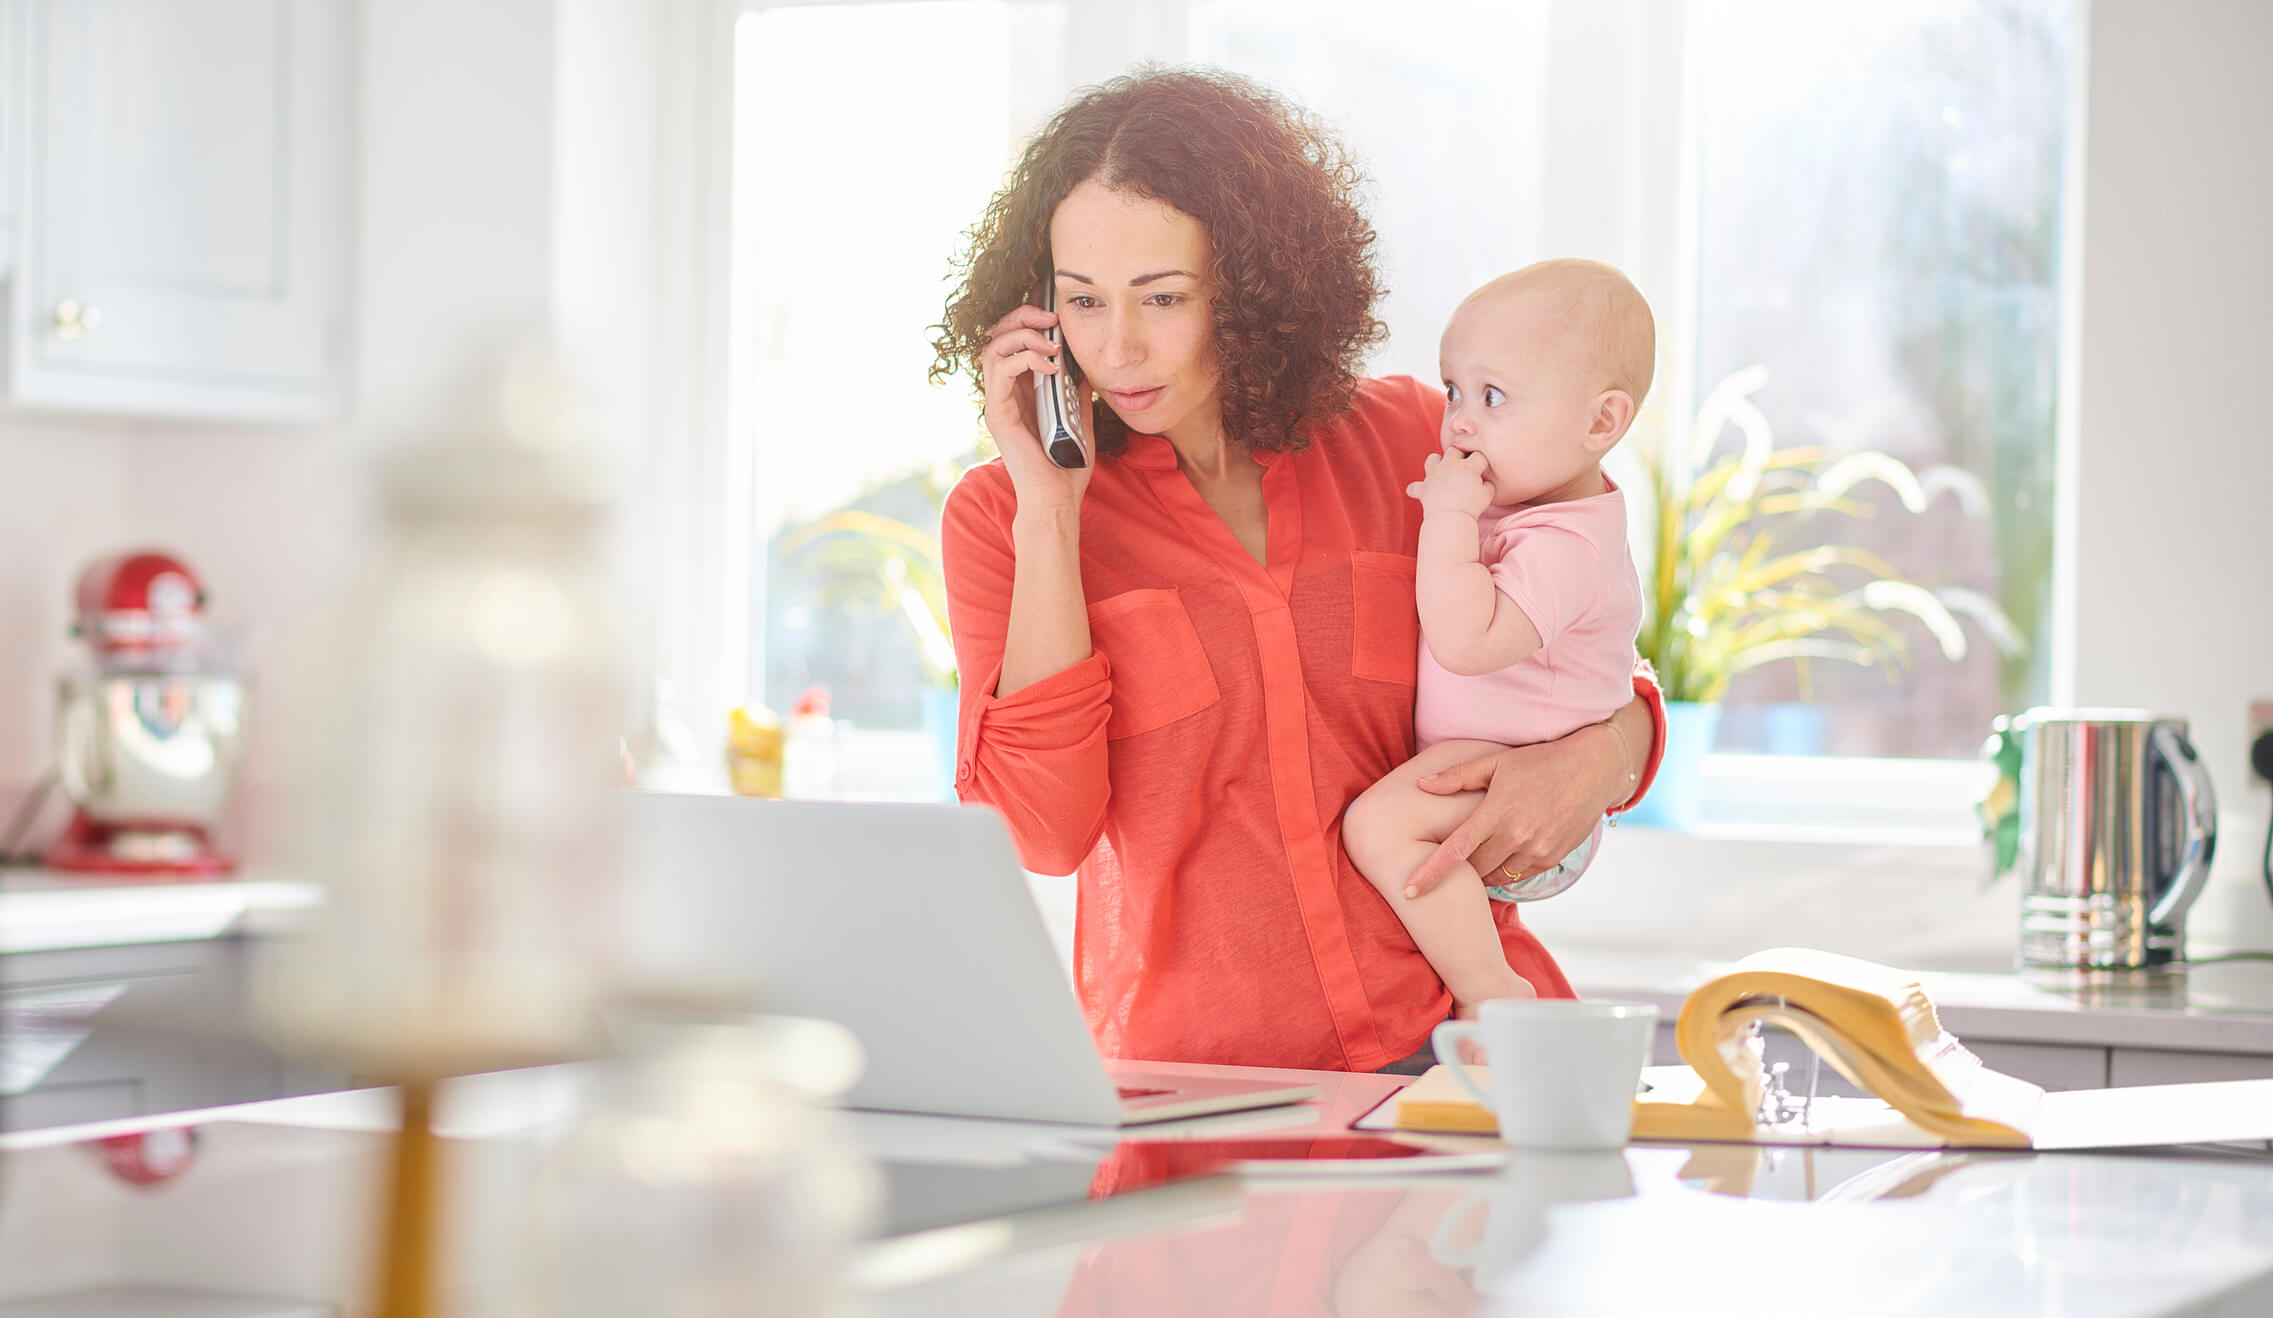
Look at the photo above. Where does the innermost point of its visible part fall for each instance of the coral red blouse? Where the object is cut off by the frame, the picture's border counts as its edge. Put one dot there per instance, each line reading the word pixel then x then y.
pixel 1194 769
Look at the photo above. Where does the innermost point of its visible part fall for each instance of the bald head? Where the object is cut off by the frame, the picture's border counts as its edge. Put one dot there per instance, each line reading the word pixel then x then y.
pixel 1599 307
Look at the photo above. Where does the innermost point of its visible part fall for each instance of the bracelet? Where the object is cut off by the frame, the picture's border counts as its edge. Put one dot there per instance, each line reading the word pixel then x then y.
pixel 1625 756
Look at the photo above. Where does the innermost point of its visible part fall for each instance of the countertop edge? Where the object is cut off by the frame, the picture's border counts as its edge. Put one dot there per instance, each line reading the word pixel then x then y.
pixel 1981 1006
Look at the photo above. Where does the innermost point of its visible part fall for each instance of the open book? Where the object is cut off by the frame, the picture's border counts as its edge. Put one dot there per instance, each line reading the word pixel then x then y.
pixel 1875 1026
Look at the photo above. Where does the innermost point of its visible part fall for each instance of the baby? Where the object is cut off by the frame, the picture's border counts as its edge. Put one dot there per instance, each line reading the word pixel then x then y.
pixel 1528 597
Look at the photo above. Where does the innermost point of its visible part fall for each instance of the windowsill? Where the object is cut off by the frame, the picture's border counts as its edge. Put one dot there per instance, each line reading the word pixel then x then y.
pixel 1866 802
pixel 1842 834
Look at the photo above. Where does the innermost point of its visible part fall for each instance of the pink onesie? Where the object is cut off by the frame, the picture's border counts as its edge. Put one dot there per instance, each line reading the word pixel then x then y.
pixel 1568 567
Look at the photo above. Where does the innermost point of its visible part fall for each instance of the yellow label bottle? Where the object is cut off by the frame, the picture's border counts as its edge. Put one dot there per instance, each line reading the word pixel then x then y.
pixel 754 751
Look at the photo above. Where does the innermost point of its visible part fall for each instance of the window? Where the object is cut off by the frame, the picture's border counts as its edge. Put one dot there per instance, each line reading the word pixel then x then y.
pixel 847 210
pixel 1879 207
pixel 1876 221
pixel 1864 200
pixel 1451 143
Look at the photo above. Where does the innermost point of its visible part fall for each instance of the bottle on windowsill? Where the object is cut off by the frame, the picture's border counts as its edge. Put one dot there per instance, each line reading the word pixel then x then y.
pixel 809 751
pixel 754 751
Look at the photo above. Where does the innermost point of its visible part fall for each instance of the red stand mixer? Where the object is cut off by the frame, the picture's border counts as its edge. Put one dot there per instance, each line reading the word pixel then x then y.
pixel 147 737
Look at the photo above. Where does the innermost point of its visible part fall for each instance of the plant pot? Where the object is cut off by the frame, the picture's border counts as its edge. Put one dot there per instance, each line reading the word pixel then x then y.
pixel 1676 798
pixel 1795 727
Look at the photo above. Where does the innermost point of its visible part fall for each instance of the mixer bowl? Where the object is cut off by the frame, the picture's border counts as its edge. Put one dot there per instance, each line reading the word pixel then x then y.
pixel 149 748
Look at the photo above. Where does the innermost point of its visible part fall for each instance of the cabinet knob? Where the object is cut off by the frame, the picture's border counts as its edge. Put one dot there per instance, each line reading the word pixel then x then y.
pixel 74 319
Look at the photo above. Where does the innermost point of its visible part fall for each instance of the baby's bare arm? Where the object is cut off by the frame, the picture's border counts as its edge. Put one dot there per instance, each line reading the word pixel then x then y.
pixel 1470 624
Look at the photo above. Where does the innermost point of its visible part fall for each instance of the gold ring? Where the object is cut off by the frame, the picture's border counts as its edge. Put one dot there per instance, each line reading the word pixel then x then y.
pixel 1512 878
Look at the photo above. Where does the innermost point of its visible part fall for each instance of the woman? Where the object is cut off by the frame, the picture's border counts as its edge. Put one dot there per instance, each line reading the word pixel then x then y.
pixel 1182 662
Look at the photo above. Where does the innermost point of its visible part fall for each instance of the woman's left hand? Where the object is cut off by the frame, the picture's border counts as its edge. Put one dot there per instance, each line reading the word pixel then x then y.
pixel 1539 803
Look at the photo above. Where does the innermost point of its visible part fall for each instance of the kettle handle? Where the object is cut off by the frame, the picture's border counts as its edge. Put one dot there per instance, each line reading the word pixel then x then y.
pixel 2201 807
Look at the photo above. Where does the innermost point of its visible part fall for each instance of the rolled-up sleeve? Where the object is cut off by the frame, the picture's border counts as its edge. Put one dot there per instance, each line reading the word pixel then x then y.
pixel 1037 755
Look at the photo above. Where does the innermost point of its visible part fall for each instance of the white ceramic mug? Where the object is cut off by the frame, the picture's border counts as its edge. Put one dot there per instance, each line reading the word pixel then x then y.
pixel 1563 1073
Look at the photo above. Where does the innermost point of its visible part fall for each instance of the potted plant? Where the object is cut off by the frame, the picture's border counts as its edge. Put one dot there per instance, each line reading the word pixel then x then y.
pixel 1726 587
pixel 891 568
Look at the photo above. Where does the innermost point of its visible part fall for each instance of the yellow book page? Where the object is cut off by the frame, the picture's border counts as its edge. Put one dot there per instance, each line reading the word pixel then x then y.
pixel 1873 1024
pixel 1953 1097
pixel 1437 1101
pixel 1436 1104
pixel 1877 1010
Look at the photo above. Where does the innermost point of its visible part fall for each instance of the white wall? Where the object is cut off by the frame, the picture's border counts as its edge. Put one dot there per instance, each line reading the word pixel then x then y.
pixel 62 500
pixel 2173 490
pixel 468 240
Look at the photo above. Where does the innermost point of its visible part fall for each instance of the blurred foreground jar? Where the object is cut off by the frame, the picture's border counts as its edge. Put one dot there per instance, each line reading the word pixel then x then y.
pixel 708 1176
pixel 465 815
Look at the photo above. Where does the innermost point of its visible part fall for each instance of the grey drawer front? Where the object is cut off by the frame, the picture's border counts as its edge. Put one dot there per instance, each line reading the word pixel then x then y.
pixel 72 1105
pixel 144 1302
pixel 2156 1066
pixel 2046 1065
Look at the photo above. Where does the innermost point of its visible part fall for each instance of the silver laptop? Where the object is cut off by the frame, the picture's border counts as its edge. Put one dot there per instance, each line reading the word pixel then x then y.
pixel 909 924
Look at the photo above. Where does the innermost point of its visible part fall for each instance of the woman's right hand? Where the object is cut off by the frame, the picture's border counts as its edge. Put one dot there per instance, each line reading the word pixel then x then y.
pixel 1016 350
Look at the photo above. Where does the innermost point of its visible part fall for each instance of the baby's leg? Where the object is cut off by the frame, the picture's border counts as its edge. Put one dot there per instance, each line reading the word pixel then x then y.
pixel 1389 831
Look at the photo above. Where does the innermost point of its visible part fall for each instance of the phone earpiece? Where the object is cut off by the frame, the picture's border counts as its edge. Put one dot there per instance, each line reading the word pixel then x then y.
pixel 1058 398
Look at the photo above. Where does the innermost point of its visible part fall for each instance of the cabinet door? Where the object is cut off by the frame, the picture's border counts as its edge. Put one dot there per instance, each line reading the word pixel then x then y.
pixel 185 218
pixel 11 125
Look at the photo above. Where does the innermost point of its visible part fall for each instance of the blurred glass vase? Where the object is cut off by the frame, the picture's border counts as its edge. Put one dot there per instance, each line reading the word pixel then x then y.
pixel 465 817
pixel 705 1177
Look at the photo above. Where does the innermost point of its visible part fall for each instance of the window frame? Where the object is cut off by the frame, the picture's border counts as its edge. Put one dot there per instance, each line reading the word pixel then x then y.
pixel 1920 801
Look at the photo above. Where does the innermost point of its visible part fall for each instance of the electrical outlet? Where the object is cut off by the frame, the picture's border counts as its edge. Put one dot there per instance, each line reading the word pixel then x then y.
pixel 2261 740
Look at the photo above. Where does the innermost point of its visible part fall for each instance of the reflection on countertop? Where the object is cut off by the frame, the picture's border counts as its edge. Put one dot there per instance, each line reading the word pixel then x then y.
pixel 278 1199
pixel 1705 1231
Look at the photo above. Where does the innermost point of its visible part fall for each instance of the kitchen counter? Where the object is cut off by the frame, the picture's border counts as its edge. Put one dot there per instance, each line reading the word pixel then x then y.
pixel 119 998
pixel 45 911
pixel 279 1201
pixel 2223 1007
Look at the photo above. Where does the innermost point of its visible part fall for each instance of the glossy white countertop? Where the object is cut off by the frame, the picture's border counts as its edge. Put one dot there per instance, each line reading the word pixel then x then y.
pixel 1646 1232
pixel 42 911
pixel 278 1204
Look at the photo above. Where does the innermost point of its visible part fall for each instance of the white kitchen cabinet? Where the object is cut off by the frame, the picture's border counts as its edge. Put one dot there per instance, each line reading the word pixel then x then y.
pixel 179 171
pixel 97 1033
pixel 11 44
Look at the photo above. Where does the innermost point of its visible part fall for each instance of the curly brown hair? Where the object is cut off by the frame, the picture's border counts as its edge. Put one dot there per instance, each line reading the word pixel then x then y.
pixel 1276 194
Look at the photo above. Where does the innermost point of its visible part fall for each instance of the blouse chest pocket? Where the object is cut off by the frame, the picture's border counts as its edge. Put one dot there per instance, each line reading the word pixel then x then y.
pixel 1385 625
pixel 1160 669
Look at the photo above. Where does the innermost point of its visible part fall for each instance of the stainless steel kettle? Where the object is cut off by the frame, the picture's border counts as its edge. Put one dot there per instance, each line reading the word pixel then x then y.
pixel 2117 826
